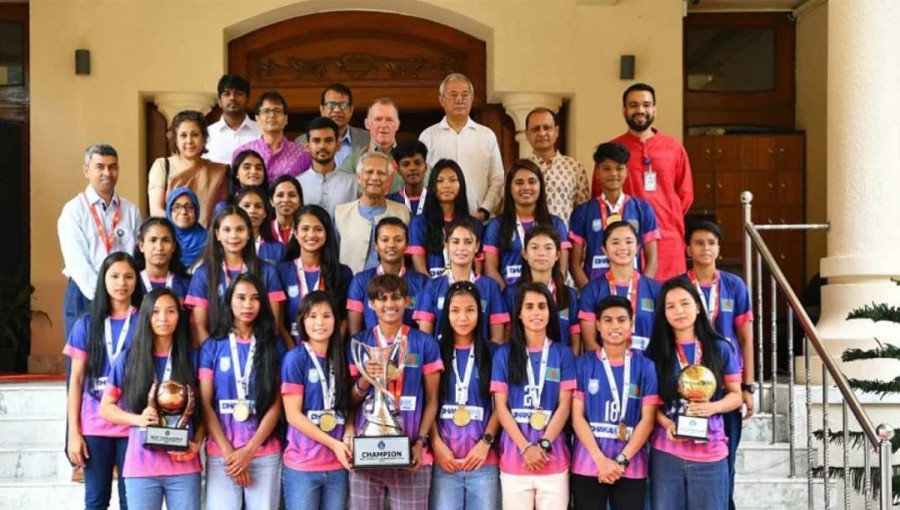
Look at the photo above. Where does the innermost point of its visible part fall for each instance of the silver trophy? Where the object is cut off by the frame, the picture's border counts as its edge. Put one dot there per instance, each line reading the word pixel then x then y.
pixel 380 442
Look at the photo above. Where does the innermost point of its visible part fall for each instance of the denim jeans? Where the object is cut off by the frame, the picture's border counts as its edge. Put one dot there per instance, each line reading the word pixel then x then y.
pixel 679 484
pixel 465 490
pixel 734 427
pixel 325 490
pixel 181 492
pixel 264 492
pixel 105 452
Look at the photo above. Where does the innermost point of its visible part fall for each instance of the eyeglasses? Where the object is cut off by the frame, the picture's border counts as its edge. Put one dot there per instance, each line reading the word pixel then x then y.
pixel 267 112
pixel 456 98
pixel 331 105
pixel 188 208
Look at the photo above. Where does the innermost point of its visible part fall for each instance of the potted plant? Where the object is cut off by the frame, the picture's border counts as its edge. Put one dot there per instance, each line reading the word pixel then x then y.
pixel 16 294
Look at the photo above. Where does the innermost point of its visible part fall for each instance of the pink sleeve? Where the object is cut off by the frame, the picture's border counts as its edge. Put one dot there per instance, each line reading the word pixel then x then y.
pixel 575 328
pixel 113 391
pixel 499 318
pixel 292 389
pixel 435 366
pixel 196 302
pixel 567 385
pixel 75 353
pixel 744 318
pixel 565 245
pixel 579 395
pixel 277 296
pixel 738 377
pixel 355 306
pixel 491 249
pixel 499 387
pixel 651 400
pixel 586 316
pixel 415 250
pixel 651 236
pixel 575 238
pixel 205 374
pixel 422 315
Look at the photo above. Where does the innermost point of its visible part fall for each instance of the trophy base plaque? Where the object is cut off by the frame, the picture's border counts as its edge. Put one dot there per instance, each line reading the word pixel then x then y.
pixel 165 438
pixel 692 427
pixel 381 452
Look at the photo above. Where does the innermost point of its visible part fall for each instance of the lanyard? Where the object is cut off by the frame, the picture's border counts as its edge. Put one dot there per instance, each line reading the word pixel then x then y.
pixel 420 207
pixel 111 353
pixel 242 377
pixel 258 242
pixel 520 230
pixel 619 400
pixel 277 233
pixel 380 271
pixel 148 285
pixel 227 281
pixel 167 371
pixel 682 357
pixel 632 290
pixel 451 281
pixel 711 307
pixel 108 238
pixel 327 384
pixel 301 275
pixel 462 385
pixel 616 212
pixel 536 390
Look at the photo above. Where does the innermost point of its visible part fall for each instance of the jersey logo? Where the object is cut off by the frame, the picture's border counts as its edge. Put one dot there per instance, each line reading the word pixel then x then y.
pixel 564 314
pixel 593 386
pixel 440 303
pixel 293 291
pixel 647 304
pixel 313 376
pixel 597 225
pixel 514 271
pixel 412 360
pixel 224 364
pixel 634 391
pixel 727 305
pixel 553 374
pixel 411 302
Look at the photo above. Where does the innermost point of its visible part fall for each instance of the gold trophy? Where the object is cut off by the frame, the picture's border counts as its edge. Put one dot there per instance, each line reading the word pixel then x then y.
pixel 174 403
pixel 696 383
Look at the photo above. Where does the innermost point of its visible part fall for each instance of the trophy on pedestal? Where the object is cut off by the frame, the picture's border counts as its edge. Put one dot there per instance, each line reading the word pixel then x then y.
pixel 174 403
pixel 696 383
pixel 381 442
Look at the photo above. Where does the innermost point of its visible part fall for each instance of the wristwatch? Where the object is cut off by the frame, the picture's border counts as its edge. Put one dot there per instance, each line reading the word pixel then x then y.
pixel 488 438
pixel 423 439
pixel 622 460
pixel 546 445
pixel 752 387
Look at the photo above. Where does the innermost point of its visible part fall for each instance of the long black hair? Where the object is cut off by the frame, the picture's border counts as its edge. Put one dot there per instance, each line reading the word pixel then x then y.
pixel 334 356
pixel 508 215
pixel 329 260
pixel 266 361
pixel 662 343
pixel 175 265
pixel 140 371
pixel 263 194
pixel 214 255
pixel 232 174
pixel 434 215
pixel 562 291
pixel 100 309
pixel 447 335
pixel 518 353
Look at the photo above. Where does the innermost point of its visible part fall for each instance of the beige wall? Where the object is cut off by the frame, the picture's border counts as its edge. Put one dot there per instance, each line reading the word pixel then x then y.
pixel 812 77
pixel 141 47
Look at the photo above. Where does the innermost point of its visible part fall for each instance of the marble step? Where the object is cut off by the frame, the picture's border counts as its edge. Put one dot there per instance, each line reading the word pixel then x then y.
pixel 38 462
pixel 33 399
pixel 758 429
pixel 58 495
pixel 32 431
pixel 768 493
pixel 759 460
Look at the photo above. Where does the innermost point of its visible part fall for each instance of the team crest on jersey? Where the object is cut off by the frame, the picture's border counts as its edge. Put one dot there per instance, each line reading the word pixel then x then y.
pixel 440 303
pixel 553 374
pixel 727 305
pixel 412 302
pixel 564 314
pixel 597 225
pixel 412 360
pixel 293 291
pixel 634 390
pixel 313 376
pixel 593 386
pixel 647 304
pixel 224 364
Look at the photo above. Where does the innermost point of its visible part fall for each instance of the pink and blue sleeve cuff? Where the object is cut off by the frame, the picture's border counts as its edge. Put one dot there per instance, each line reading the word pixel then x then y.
pixel 195 302
pixel 75 353
pixel 277 296
pixel 651 236
pixel 292 389
pixel 491 249
pixel 499 387
pixel 499 318
pixel 568 385
pixel 744 318
pixel 416 250
pixel 355 306
pixel 205 374
pixel 651 400
pixel 434 366
pixel 575 238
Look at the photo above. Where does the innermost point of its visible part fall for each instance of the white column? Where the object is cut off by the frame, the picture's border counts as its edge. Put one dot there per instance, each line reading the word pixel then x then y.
pixel 170 103
pixel 519 104
pixel 863 178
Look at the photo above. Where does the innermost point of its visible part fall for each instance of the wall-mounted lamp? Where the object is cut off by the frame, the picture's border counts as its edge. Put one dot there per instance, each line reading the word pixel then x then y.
pixel 83 62
pixel 626 67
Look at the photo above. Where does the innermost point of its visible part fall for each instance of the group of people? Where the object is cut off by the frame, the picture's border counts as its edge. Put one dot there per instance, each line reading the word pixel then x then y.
pixel 543 351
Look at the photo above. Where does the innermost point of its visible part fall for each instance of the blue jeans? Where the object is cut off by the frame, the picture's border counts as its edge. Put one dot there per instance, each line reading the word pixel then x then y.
pixel 325 490
pixel 105 452
pixel 182 492
pixel 264 491
pixel 465 490
pixel 678 484
pixel 734 427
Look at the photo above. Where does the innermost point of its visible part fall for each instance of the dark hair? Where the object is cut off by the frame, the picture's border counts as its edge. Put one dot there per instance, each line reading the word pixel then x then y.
pixel 447 335
pixel 508 215
pixel 272 97
pixel 140 371
pixel 385 285
pixel 335 357
pixel 541 109
pixel 392 221
pixel 662 343
pixel 434 216
pixel 613 151
pixel 612 227
pixel 234 82
pixel 263 194
pixel 328 256
pixel 559 281
pixel 213 257
pixel 408 149
pixel 466 222
pixel 266 362
pixel 518 353
pixel 99 149
pixel 702 226
pixel 322 123
pixel 613 301
pixel 638 87
pixel 288 178
pixel 100 308
pixel 340 88
pixel 187 116
pixel 234 184
pixel 175 264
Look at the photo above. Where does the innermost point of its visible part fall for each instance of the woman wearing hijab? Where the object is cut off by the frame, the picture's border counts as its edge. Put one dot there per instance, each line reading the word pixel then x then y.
pixel 182 208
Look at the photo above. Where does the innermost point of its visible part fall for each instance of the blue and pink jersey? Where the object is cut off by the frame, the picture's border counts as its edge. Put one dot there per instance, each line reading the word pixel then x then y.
pixel 461 440
pixel 358 300
pixel 568 317
pixel 434 261
pixel 270 251
pixel 412 205
pixel 493 308
pixel 511 260
pixel 143 462
pixel 179 286
pixel 77 348
pixel 423 358
pixel 287 272
pixel 643 305
pixel 590 218
pixel 560 376
pixel 716 448
pixel 217 366
pixel 602 415
pixel 197 291
pixel 300 377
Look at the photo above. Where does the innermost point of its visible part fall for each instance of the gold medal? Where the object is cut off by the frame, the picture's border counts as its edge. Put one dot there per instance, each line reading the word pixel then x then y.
pixel 163 422
pixel 613 218
pixel 393 372
pixel 461 417
pixel 241 411
pixel 538 420
pixel 327 422
pixel 623 432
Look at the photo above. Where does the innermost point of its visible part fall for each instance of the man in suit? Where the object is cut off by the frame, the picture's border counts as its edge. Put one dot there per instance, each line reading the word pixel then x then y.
pixel 337 105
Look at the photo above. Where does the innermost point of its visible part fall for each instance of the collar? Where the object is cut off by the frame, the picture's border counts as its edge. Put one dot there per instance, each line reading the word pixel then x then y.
pixel 93 197
pixel 246 124
pixel 347 135
pixel 470 124
pixel 375 147
pixel 630 135
pixel 537 159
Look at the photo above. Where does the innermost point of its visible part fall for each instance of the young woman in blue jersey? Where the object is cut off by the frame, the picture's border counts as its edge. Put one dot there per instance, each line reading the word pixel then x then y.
pixel 95 342
pixel 461 246
pixel 247 169
pixel 524 206
pixel 532 380
pixel 621 279
pixel 254 201
pixel 541 264
pixel 312 263
pixel 391 241
pixel 465 472
pixel 286 196
pixel 613 414
pixel 229 252
pixel 183 209
pixel 444 202
pixel 158 259
pixel 239 391
pixel 685 473
pixel 315 385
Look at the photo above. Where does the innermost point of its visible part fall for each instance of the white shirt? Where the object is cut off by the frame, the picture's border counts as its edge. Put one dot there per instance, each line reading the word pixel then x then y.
pixel 476 150
pixel 329 190
pixel 83 249
pixel 223 140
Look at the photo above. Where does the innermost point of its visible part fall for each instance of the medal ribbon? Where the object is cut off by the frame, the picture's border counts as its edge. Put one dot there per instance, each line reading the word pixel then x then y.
pixel 109 238
pixel 520 230
pixel 712 306
pixel 111 353
pixel 682 357
pixel 380 271
pixel 167 371
pixel 620 400
pixel 301 275
pixel 610 209
pixel 395 386
pixel 241 377
pixel 227 281
pixel 451 281
pixel 537 390
pixel 462 385
pixel 632 291
pixel 145 278
pixel 420 207
pixel 327 384
pixel 276 232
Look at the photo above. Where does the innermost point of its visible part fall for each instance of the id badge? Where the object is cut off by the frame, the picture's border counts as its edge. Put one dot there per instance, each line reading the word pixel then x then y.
pixel 649 180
